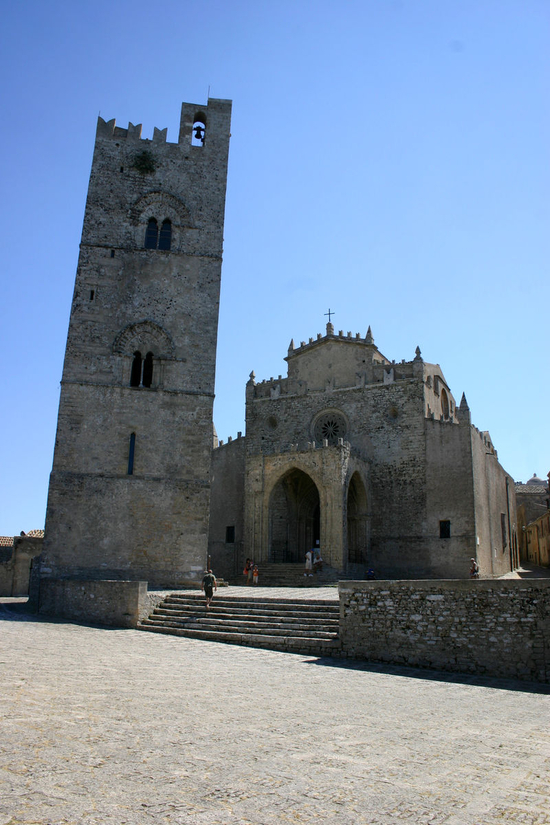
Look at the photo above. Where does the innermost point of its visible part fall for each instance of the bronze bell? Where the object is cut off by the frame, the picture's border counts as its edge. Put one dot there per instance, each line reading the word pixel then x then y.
pixel 199 133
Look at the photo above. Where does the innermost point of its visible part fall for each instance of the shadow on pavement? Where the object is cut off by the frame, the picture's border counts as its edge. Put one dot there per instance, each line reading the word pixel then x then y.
pixel 433 675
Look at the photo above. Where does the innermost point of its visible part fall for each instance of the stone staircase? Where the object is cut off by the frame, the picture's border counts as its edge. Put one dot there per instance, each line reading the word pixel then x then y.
pixel 295 626
pixel 292 575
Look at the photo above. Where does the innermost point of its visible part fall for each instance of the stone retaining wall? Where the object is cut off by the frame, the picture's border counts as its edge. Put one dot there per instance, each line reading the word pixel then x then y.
pixel 495 628
pixel 110 603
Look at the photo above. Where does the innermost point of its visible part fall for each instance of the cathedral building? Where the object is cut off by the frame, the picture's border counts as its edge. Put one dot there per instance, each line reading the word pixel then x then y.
pixel 371 458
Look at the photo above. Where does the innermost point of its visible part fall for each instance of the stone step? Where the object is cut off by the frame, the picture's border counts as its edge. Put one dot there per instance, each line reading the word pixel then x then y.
pixel 296 617
pixel 278 604
pixel 259 610
pixel 244 627
pixel 290 644
pixel 301 626
pixel 292 575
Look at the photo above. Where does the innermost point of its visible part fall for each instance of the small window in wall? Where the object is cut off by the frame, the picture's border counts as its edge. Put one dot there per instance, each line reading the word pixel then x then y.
pixel 444 529
pixel 135 375
pixel 230 535
pixel 165 236
pixel 151 234
pixel 131 453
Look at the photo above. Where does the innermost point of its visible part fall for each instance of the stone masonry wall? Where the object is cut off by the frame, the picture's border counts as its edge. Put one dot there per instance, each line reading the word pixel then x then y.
pixel 494 628
pixel 110 603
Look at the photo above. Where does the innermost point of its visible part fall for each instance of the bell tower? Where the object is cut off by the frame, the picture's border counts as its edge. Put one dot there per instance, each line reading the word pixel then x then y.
pixel 129 490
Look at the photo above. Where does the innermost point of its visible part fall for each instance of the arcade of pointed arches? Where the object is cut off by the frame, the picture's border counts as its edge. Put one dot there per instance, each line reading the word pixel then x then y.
pixel 294 516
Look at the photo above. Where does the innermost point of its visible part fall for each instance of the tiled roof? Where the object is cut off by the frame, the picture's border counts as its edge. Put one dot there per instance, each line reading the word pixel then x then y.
pixel 36 534
pixel 531 489
pixel 6 541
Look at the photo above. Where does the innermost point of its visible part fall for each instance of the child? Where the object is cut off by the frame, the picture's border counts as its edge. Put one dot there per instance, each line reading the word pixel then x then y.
pixel 255 574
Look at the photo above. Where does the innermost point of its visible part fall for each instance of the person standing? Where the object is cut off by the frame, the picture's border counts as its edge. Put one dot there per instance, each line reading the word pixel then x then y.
pixel 309 563
pixel 209 584
pixel 474 569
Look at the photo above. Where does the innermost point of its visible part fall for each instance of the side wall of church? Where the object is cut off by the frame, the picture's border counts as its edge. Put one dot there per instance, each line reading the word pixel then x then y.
pixel 227 509
pixel 449 498
pixel 495 505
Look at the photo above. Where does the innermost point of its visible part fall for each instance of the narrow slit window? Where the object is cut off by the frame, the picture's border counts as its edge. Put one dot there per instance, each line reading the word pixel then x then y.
pixel 444 529
pixel 230 535
pixel 131 453
pixel 165 237
pixel 151 234
pixel 147 379
pixel 135 375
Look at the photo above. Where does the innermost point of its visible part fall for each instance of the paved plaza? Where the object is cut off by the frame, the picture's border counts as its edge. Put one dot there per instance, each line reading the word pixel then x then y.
pixel 116 727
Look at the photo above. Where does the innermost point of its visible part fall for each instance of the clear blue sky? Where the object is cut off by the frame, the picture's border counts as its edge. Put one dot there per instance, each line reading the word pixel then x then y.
pixel 389 159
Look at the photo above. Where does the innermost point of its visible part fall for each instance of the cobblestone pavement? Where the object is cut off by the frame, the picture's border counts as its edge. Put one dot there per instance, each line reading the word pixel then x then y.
pixel 121 727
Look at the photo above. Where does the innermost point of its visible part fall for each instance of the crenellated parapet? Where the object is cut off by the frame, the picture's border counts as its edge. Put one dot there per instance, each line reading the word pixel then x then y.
pixel 198 126
pixel 330 335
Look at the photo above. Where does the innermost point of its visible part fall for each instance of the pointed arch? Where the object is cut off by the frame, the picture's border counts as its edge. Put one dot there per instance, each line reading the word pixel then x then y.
pixel 294 517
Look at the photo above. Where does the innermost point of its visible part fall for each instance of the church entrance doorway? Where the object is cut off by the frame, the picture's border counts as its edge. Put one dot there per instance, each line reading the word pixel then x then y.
pixel 294 518
pixel 357 521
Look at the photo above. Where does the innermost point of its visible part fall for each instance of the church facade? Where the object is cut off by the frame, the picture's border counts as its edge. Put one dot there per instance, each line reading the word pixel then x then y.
pixel 372 458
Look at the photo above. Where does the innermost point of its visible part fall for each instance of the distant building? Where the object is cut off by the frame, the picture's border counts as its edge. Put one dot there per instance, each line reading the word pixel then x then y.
pixel 532 502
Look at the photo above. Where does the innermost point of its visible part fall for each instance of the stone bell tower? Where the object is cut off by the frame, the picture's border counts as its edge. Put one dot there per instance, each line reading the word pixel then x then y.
pixel 129 490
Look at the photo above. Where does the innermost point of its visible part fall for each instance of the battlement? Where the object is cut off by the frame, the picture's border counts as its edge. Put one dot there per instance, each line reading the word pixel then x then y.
pixel 197 124
pixel 330 335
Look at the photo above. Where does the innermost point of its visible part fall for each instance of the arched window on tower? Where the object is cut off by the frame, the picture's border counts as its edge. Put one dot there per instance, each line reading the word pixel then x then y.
pixel 135 375
pixel 151 234
pixel 147 379
pixel 165 236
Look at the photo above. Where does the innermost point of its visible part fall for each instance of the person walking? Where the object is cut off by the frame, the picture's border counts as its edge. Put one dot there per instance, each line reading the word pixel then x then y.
pixel 209 584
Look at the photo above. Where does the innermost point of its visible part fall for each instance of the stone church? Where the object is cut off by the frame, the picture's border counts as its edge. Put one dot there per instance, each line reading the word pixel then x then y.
pixel 370 457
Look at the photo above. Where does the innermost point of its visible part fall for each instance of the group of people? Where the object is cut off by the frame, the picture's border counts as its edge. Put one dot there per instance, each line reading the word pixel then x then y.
pixel 251 572
pixel 314 561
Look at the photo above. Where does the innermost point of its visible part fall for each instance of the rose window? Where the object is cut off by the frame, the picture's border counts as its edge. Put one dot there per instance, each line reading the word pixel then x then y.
pixel 331 427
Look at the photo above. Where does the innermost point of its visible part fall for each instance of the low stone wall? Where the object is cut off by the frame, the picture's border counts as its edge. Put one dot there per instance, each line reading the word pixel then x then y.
pixel 494 628
pixel 110 603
